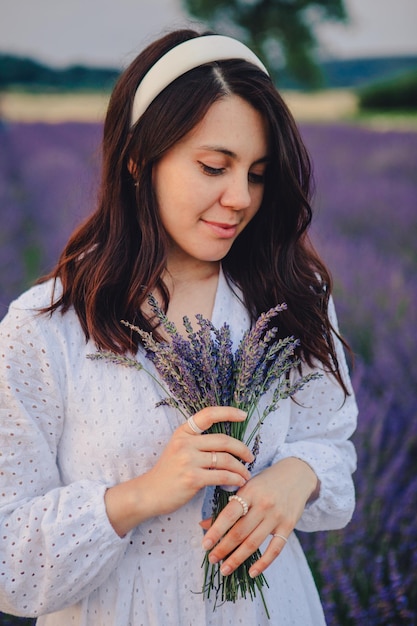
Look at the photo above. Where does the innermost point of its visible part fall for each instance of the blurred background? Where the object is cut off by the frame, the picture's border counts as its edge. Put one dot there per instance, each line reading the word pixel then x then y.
pixel 348 71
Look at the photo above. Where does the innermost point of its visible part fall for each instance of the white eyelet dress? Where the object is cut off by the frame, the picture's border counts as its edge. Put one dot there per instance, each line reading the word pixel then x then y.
pixel 71 427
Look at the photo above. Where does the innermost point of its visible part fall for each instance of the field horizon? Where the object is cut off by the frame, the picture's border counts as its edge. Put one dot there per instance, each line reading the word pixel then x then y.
pixel 323 106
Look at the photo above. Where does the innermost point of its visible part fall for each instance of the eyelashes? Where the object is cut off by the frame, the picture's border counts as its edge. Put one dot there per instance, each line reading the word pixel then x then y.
pixel 256 179
pixel 211 171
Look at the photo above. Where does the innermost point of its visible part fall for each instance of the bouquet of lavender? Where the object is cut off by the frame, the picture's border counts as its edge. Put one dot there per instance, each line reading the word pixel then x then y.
pixel 200 370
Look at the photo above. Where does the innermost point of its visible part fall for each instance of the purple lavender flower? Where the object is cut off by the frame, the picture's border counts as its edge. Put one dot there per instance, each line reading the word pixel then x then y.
pixel 364 227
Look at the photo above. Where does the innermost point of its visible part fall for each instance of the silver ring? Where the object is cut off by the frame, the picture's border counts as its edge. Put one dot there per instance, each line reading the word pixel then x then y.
pixel 280 536
pixel 213 460
pixel 242 502
pixel 191 423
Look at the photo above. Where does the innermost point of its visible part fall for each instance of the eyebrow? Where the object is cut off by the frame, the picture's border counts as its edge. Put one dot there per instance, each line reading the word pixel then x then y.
pixel 232 154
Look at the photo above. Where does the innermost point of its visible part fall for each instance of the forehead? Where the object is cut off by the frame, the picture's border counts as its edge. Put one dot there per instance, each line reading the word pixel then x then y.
pixel 233 123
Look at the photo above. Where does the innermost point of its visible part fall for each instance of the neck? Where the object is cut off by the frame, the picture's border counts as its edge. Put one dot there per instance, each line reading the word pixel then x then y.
pixel 178 273
pixel 192 290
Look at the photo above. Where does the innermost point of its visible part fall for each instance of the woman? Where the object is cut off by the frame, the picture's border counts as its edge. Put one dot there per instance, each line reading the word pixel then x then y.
pixel 204 202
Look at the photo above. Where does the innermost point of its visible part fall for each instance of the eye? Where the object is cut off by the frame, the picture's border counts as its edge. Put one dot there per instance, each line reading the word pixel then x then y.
pixel 256 179
pixel 211 171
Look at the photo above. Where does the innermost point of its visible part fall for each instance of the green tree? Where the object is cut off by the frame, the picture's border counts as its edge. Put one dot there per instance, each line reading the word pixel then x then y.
pixel 280 31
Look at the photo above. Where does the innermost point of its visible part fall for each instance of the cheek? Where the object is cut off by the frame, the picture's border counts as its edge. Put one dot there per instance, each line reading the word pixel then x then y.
pixel 159 179
pixel 172 188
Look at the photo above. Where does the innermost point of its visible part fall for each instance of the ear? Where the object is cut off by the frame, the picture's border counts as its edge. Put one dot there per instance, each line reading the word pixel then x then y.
pixel 133 168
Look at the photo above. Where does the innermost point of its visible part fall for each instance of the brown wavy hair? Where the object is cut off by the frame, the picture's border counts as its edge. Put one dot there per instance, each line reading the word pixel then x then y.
pixel 119 253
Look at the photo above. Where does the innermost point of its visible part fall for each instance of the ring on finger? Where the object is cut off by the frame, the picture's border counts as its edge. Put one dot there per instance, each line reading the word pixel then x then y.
pixel 280 537
pixel 242 502
pixel 196 429
pixel 213 460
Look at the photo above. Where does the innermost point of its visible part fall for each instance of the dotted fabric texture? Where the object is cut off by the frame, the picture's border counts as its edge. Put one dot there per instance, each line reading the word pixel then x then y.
pixel 71 427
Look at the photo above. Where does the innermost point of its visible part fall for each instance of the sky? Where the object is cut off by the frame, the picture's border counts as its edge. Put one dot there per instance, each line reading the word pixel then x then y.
pixel 110 33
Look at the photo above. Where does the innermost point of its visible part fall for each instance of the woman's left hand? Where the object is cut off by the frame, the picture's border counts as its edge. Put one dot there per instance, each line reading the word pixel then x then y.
pixel 276 498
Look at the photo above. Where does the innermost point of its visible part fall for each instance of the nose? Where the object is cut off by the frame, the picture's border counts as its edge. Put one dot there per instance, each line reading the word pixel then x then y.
pixel 236 194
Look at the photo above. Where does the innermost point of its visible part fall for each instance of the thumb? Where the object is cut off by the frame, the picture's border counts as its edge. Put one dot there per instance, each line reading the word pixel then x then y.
pixel 210 415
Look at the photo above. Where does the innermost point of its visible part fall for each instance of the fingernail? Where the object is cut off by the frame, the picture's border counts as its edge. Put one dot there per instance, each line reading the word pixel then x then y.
pixel 225 570
pixel 243 414
pixel 207 544
pixel 253 573
pixel 213 559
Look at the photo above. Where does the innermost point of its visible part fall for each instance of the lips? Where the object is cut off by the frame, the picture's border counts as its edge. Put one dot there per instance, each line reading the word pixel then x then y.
pixel 225 231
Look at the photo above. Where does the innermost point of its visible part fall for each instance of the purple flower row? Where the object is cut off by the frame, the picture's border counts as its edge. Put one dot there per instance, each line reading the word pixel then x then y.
pixel 366 222
pixel 365 227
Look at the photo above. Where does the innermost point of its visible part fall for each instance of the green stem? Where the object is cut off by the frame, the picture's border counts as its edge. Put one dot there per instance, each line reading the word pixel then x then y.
pixel 238 584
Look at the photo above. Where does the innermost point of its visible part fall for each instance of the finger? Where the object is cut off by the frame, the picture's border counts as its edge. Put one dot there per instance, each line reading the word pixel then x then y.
pixel 224 443
pixel 214 459
pixel 220 461
pixel 206 523
pixel 208 416
pixel 243 551
pixel 274 549
pixel 237 546
pixel 225 527
pixel 194 427
pixel 233 480
pixel 252 543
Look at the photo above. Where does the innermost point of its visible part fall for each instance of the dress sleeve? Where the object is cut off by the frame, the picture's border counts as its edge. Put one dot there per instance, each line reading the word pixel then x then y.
pixel 57 544
pixel 322 420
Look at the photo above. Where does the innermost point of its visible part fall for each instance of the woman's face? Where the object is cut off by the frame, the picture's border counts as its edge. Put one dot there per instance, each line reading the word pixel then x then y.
pixel 210 184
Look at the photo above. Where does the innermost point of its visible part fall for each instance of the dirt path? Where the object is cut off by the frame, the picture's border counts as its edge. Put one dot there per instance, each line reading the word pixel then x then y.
pixel 54 108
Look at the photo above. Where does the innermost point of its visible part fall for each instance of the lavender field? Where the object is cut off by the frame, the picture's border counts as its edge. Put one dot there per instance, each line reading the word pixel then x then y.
pixel 366 229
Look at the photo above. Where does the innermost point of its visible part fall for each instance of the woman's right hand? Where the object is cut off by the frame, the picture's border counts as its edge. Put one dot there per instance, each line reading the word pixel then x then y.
pixel 188 463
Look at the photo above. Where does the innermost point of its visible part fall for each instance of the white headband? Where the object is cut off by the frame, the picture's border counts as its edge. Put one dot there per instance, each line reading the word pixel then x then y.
pixel 184 57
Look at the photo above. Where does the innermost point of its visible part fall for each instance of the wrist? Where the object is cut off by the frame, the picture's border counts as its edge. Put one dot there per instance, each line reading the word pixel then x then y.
pixel 128 504
pixel 310 478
